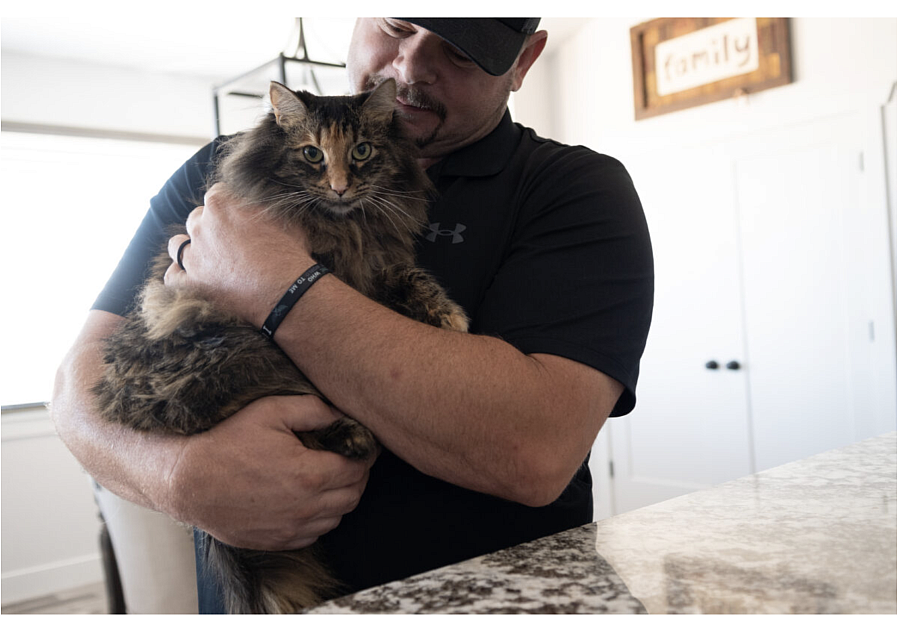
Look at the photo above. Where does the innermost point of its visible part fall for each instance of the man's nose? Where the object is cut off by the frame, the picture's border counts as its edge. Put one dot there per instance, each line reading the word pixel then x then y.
pixel 417 58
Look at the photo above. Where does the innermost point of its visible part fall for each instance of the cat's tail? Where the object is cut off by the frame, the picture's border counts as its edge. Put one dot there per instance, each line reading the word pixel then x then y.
pixel 222 564
pixel 260 582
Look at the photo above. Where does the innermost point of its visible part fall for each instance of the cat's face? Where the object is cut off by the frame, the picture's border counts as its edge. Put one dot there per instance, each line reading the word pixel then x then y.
pixel 337 154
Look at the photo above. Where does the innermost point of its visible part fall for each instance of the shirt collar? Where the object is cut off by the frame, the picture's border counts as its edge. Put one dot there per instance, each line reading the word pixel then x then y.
pixel 487 156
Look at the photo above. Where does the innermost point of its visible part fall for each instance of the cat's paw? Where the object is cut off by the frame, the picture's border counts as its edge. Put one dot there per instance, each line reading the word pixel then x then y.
pixel 358 443
pixel 345 437
pixel 455 320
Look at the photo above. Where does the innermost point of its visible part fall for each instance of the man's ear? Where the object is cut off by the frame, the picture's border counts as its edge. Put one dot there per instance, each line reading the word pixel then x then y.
pixel 533 49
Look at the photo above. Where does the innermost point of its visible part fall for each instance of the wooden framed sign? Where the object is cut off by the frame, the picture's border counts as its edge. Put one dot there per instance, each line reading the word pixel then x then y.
pixel 683 62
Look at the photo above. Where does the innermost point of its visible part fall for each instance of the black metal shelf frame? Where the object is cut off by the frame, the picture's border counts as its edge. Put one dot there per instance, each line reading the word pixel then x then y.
pixel 280 62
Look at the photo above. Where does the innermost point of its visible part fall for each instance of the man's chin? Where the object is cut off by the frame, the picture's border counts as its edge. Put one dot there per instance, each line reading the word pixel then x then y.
pixel 422 131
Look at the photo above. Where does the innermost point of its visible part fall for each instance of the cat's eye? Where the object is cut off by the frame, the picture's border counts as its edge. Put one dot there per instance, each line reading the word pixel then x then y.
pixel 362 151
pixel 312 154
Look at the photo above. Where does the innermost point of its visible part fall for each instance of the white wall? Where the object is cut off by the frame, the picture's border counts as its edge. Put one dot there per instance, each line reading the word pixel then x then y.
pixel 82 95
pixel 583 91
pixel 50 521
pixel 57 92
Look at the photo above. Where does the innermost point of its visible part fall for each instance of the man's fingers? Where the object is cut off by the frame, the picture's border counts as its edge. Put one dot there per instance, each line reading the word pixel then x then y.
pixel 331 505
pixel 176 244
pixel 305 412
pixel 212 192
pixel 173 276
pixel 337 473
pixel 193 218
pixel 178 248
pixel 334 505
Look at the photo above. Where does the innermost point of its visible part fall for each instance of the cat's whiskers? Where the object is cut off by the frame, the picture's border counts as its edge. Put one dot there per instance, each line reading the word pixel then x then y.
pixel 394 211
pixel 387 215
pixel 297 213
pixel 363 210
pixel 409 195
pixel 386 198
pixel 290 203
pixel 286 184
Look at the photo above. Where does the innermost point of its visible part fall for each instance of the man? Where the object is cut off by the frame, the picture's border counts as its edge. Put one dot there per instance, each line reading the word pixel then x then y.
pixel 486 434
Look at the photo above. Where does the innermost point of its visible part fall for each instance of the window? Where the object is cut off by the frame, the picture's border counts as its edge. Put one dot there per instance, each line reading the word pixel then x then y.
pixel 70 208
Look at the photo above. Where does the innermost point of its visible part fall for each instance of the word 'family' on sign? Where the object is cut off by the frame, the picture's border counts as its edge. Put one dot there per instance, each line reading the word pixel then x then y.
pixel 708 55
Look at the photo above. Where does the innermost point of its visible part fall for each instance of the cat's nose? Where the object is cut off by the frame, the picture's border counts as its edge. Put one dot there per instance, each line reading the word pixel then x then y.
pixel 339 181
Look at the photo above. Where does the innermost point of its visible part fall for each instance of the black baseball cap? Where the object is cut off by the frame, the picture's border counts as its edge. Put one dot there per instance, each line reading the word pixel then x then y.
pixel 492 42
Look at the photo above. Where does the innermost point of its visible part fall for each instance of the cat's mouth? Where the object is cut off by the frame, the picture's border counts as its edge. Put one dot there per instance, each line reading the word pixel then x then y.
pixel 341 208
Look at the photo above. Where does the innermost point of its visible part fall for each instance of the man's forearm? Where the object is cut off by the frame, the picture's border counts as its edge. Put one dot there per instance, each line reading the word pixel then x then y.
pixel 469 409
pixel 131 464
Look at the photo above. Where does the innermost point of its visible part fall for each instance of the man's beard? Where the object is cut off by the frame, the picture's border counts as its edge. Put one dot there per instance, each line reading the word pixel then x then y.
pixel 416 98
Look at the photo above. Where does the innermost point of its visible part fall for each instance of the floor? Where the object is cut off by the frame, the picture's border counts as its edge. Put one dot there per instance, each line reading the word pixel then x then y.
pixel 89 599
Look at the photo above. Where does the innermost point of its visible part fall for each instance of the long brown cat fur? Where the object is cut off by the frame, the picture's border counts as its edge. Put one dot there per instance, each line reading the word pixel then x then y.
pixel 180 364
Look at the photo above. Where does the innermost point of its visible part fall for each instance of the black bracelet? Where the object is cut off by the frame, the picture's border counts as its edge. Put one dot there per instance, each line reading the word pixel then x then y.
pixel 290 298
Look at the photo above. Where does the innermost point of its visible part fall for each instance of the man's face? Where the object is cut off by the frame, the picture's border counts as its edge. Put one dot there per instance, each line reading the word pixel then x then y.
pixel 446 100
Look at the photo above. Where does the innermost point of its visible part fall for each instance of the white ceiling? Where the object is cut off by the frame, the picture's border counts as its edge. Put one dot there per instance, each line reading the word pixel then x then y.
pixel 212 46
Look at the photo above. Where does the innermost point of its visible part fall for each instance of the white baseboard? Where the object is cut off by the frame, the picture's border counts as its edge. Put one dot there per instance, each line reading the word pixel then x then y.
pixel 30 583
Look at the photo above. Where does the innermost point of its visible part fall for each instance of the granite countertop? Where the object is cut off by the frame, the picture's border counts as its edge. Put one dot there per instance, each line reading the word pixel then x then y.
pixel 814 536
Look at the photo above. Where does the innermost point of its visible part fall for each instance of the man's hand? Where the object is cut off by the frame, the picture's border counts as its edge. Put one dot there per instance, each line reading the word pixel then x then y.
pixel 238 256
pixel 250 482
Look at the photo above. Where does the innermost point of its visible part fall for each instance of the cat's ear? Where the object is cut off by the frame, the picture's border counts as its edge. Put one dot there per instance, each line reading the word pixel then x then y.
pixel 382 101
pixel 286 104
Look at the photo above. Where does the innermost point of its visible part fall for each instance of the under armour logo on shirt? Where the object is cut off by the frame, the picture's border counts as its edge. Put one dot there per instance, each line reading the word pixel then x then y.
pixel 436 231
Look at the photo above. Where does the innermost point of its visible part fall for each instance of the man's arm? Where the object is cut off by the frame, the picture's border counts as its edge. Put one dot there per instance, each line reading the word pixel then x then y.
pixel 469 409
pixel 248 481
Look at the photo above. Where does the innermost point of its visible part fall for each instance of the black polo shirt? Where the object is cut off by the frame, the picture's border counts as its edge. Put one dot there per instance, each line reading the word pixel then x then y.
pixel 546 247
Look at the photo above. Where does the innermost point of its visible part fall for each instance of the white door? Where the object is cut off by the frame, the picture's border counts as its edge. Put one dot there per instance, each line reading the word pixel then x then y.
pixel 810 270
pixel 767 257
pixel 689 429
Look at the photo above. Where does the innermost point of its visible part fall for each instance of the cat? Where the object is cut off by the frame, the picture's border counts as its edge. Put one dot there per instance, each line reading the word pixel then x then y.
pixel 180 364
